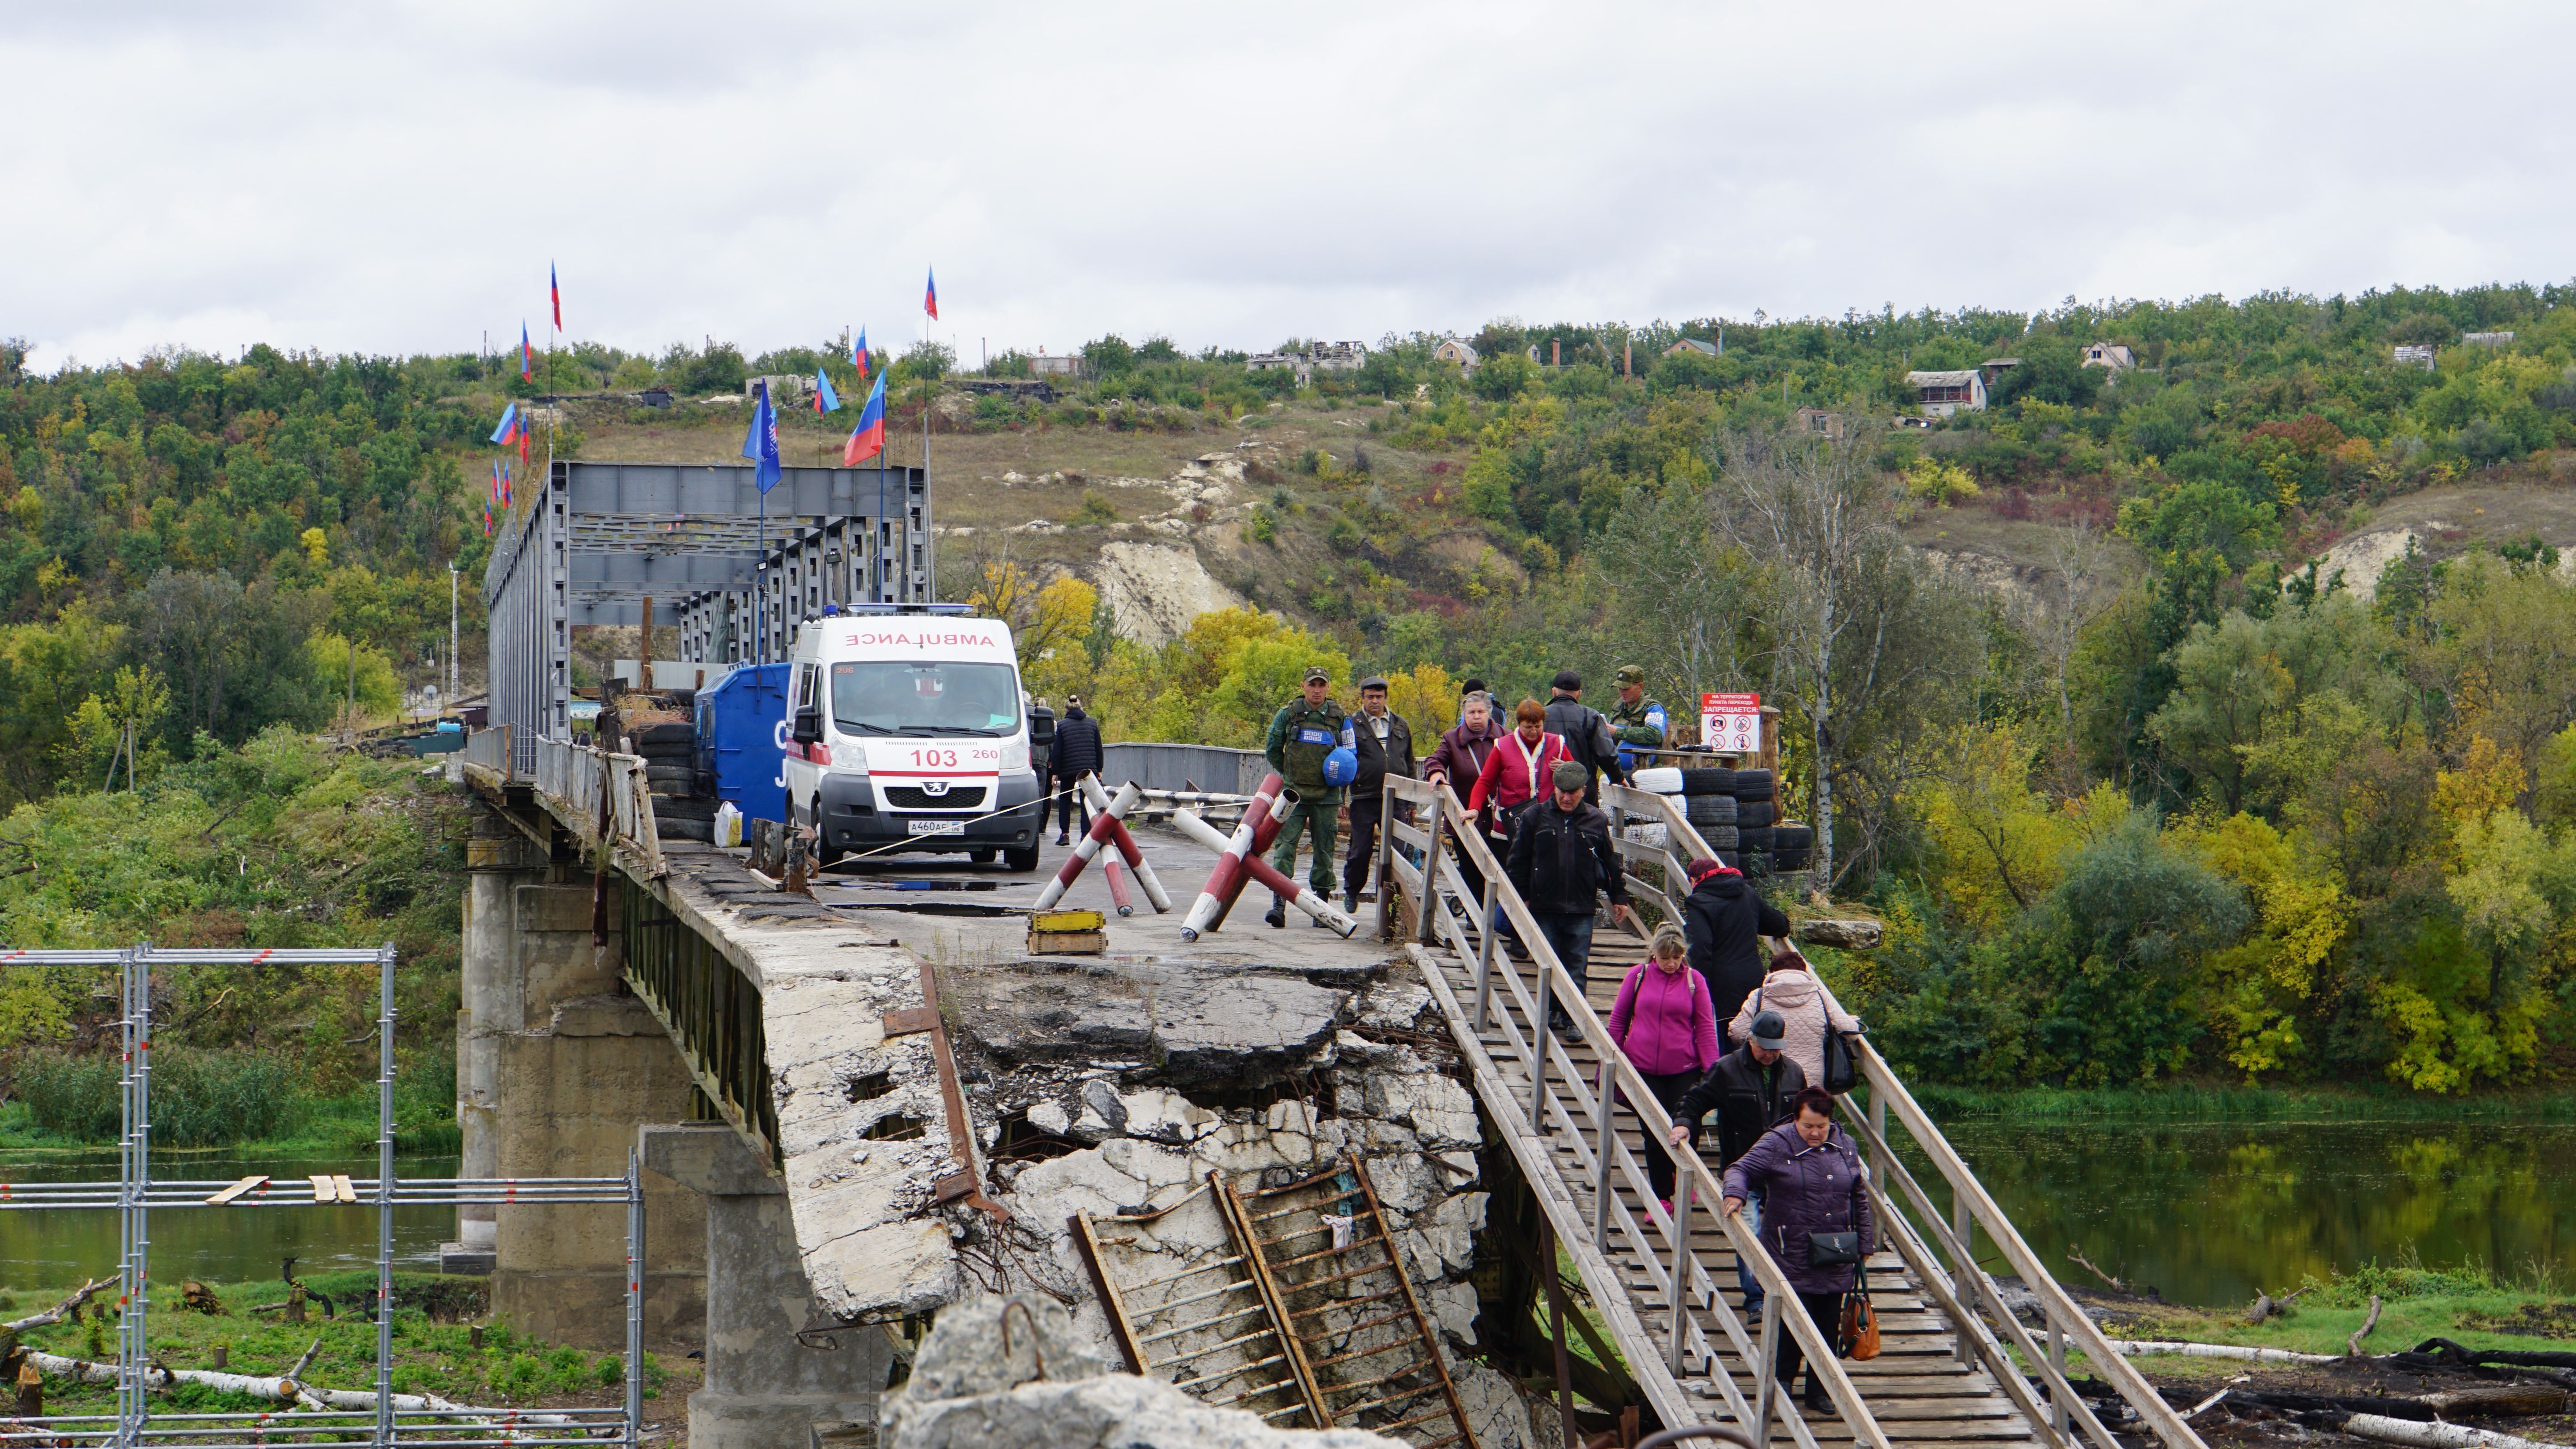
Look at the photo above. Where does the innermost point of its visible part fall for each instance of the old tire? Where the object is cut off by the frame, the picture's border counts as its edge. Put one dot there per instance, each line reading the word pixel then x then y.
pixel 669 828
pixel 1022 861
pixel 1755 837
pixel 671 772
pixel 1713 780
pixel 1711 810
pixel 1720 838
pixel 675 808
pixel 654 739
pixel 1756 812
pixel 1753 784
pixel 676 752
pixel 1730 859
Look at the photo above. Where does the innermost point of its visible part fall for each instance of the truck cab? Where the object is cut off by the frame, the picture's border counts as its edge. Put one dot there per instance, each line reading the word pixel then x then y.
pixel 905 732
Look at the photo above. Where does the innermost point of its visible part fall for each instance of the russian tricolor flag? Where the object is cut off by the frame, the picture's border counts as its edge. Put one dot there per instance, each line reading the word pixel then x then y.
pixel 508 432
pixel 930 297
pixel 859 354
pixel 527 356
pixel 868 438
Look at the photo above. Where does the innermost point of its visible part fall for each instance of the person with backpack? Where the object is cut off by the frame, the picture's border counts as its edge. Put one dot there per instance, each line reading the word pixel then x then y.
pixel 1724 917
pixel 1751 1089
pixel 1664 1024
pixel 1807 1011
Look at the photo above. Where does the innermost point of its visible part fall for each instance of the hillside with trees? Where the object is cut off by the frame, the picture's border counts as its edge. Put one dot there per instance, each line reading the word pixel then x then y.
pixel 2169 801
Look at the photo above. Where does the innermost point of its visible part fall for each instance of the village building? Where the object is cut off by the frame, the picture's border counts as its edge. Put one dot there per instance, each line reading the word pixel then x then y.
pixel 2108 354
pixel 1941 394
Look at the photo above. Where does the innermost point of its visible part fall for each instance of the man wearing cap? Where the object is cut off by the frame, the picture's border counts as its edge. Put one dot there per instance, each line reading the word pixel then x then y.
pixel 1636 722
pixel 1585 730
pixel 1385 748
pixel 1305 730
pixel 1752 1089
pixel 1561 858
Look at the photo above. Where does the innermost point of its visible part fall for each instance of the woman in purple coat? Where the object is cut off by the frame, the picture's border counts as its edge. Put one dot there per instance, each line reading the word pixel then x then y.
pixel 1811 1178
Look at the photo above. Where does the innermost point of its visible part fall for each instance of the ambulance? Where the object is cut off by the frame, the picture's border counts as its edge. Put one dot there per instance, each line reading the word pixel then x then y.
pixel 905 732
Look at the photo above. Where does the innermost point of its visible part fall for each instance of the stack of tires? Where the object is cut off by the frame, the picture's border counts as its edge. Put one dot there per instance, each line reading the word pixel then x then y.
pixel 1757 814
pixel 682 809
pixel 1708 803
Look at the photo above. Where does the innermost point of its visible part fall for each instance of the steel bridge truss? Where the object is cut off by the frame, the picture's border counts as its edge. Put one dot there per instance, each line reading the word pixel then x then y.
pixel 600 543
pixel 392 1418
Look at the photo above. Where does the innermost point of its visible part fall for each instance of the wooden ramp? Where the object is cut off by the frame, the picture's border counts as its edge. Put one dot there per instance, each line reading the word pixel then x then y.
pixel 1946 1374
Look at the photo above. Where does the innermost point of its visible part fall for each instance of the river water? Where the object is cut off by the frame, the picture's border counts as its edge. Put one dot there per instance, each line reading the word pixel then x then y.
pixel 54 1248
pixel 2210 1213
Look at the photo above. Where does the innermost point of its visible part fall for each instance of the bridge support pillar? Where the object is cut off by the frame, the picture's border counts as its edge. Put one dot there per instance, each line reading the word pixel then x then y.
pixel 556 1068
pixel 764 1387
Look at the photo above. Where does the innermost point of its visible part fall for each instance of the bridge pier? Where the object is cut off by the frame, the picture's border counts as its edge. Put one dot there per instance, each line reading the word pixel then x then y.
pixel 557 1066
pixel 764 1386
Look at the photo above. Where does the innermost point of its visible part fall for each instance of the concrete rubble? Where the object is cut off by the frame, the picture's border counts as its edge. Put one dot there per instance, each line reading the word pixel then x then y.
pixel 1041 1387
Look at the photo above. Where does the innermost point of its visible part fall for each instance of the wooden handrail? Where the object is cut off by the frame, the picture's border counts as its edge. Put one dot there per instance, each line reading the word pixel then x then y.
pixel 1559 984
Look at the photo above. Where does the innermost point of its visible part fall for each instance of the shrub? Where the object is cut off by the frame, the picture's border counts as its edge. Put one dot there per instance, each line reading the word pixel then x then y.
pixel 199 1098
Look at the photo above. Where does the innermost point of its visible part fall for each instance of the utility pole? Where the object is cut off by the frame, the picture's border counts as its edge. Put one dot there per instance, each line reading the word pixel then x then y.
pixel 451 639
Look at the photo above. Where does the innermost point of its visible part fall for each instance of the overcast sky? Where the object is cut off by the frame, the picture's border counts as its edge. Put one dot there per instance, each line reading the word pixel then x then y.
pixel 394 178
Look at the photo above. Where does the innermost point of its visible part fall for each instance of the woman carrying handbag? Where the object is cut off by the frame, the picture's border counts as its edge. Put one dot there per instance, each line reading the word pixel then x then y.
pixel 1816 1222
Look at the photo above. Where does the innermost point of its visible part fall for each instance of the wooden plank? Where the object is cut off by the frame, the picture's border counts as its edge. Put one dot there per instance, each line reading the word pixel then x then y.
pixel 235 1191
pixel 322 1189
pixel 344 1189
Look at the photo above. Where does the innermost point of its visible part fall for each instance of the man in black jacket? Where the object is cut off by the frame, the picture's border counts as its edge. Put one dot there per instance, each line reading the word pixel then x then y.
pixel 1561 860
pixel 1586 732
pixel 1384 745
pixel 1752 1089
pixel 1721 917
pixel 1077 753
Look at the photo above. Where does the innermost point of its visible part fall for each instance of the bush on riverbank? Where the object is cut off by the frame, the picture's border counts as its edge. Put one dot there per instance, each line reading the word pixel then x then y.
pixel 2203 1102
pixel 199 1098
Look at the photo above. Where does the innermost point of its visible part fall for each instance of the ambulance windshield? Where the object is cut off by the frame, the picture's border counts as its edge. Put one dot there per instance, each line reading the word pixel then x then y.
pixel 919 697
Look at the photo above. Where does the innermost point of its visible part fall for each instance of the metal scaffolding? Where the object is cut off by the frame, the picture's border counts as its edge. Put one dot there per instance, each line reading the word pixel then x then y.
pixel 391 1418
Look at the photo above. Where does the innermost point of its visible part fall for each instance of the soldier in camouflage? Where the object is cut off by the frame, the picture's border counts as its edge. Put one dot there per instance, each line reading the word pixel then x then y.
pixel 1305 730
pixel 1636 722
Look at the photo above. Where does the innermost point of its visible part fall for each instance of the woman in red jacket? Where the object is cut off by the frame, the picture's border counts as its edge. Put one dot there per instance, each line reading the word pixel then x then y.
pixel 1513 771
pixel 1665 1025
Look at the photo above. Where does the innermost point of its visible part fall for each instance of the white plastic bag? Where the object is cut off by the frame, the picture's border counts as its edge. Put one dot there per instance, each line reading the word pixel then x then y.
pixel 728 824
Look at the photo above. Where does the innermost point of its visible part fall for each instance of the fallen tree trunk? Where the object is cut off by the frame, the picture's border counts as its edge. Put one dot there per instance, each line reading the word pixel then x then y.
pixel 2352 1345
pixel 83 1371
pixel 2135 1348
pixel 2433 1436
pixel 2502 1402
pixel 69 1306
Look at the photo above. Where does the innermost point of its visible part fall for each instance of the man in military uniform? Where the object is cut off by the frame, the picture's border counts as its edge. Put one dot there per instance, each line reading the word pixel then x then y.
pixel 1304 731
pixel 1636 722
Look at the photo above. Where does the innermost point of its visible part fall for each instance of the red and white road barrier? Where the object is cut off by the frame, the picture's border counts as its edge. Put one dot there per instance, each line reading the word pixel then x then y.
pixel 1226 879
pixel 1155 895
pixel 1262 871
pixel 1104 825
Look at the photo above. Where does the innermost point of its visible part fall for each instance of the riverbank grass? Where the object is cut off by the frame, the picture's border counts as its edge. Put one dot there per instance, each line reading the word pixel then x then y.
pixel 2470 1305
pixel 2211 1102
pixel 508 1369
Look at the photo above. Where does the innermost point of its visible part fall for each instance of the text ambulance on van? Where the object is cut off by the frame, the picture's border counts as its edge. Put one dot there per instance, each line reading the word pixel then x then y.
pixel 906 730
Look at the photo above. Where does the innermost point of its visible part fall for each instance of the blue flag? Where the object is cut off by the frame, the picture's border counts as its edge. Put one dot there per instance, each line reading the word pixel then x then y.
pixel 505 434
pixel 760 440
pixel 825 400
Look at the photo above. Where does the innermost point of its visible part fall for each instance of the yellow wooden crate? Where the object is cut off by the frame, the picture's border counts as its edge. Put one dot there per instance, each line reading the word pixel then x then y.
pixel 1048 921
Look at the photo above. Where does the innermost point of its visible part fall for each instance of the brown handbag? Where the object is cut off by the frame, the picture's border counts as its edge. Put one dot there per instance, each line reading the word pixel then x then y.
pixel 1859 1336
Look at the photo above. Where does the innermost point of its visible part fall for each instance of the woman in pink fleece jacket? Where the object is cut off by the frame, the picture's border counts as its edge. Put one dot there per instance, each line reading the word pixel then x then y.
pixel 1669 1031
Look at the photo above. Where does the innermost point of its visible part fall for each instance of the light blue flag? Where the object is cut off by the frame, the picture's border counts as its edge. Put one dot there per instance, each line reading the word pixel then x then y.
pixel 760 440
pixel 825 400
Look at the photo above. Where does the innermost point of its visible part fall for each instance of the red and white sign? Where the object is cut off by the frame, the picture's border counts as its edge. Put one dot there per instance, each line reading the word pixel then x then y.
pixel 1731 722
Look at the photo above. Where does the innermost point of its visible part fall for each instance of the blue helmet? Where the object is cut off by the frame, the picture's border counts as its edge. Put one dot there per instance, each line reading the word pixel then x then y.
pixel 1341 767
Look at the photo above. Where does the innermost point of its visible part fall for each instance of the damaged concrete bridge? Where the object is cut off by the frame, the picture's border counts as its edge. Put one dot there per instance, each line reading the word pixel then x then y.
pixel 1328 1183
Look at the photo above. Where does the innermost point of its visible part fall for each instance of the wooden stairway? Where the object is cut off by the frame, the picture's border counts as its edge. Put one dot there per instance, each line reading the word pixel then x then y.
pixel 1953 1364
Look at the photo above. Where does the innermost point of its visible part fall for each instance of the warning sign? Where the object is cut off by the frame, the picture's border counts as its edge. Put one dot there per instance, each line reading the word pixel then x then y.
pixel 1731 722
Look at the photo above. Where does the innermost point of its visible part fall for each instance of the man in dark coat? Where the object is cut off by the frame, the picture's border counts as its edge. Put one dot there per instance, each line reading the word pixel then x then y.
pixel 1586 732
pixel 1752 1090
pixel 1561 863
pixel 1077 753
pixel 1721 917
pixel 1811 1178
pixel 1384 747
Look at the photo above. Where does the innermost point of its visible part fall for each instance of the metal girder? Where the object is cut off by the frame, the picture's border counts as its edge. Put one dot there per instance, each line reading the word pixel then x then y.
pixel 646 491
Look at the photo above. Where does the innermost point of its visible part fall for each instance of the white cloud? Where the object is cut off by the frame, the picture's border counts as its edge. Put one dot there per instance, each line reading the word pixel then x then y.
pixel 396 178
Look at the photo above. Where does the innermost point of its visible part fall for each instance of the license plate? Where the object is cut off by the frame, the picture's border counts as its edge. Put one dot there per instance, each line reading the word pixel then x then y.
pixel 936 827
